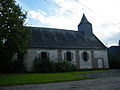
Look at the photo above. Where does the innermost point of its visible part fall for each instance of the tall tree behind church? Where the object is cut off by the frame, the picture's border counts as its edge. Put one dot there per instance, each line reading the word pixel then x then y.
pixel 13 34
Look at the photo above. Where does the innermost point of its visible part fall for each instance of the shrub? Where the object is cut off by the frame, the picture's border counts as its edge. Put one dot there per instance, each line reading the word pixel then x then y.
pixel 10 66
pixel 5 67
pixel 64 66
pixel 47 65
pixel 18 65
pixel 44 65
pixel 5 62
pixel 115 63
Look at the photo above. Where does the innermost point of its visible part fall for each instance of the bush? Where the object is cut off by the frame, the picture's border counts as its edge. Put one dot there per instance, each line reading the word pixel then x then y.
pixel 5 67
pixel 64 66
pixel 115 63
pixel 46 65
pixel 18 65
pixel 9 66
pixel 43 66
pixel 5 62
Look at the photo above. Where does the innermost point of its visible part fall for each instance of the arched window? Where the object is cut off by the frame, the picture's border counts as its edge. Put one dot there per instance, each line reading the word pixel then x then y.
pixel 68 56
pixel 43 55
pixel 85 56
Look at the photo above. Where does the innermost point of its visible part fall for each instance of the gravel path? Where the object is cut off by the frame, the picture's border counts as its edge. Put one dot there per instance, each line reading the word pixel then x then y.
pixel 108 81
pixel 113 73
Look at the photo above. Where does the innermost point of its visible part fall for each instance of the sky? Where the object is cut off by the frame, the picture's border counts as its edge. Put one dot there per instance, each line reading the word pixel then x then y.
pixel 66 14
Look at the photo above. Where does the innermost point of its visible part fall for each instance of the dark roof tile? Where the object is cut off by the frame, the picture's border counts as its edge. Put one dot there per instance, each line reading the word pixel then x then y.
pixel 60 38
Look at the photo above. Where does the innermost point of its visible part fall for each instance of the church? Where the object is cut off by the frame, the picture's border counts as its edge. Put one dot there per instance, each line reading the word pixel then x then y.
pixel 82 48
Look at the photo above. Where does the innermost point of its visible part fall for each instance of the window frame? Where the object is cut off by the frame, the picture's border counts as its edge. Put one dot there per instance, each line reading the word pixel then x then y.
pixel 85 56
pixel 68 56
pixel 44 56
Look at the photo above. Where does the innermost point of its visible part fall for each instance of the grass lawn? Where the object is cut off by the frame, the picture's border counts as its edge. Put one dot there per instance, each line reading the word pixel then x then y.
pixel 31 78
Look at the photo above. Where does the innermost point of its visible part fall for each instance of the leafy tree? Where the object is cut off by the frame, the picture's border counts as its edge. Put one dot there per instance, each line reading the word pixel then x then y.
pixel 114 63
pixel 13 34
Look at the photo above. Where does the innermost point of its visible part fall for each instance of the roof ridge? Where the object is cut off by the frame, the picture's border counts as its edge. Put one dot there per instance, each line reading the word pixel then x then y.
pixel 54 29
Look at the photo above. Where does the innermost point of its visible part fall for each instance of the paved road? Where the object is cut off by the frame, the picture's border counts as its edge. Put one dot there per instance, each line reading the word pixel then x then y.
pixel 105 83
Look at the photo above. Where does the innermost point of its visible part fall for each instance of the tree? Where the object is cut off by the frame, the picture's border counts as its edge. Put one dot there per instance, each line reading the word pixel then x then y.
pixel 13 34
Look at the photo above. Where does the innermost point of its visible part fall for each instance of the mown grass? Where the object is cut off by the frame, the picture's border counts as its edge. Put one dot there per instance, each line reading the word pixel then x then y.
pixel 32 78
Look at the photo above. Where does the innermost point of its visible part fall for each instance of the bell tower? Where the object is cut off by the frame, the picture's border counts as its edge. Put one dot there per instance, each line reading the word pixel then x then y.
pixel 85 26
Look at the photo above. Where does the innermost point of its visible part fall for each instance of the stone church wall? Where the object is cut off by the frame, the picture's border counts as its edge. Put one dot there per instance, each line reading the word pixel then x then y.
pixel 101 55
pixel 85 64
pixel 77 58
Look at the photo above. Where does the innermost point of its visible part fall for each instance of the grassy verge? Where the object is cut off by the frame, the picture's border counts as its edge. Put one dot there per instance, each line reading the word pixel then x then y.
pixel 31 78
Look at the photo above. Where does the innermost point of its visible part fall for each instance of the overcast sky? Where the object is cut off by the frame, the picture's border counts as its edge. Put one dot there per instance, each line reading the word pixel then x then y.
pixel 66 14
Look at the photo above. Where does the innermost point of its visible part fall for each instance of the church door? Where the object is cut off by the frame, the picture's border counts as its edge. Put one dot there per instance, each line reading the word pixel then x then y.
pixel 100 63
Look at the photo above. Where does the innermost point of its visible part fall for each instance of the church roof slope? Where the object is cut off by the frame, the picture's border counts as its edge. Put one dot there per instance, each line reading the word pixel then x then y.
pixel 60 38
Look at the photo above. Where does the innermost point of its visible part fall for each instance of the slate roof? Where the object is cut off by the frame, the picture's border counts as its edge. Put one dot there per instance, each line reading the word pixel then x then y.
pixel 61 38
pixel 84 20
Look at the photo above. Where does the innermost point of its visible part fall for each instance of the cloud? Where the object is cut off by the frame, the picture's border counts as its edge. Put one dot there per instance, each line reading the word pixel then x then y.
pixel 112 39
pixel 108 33
pixel 38 15
pixel 103 14
pixel 57 21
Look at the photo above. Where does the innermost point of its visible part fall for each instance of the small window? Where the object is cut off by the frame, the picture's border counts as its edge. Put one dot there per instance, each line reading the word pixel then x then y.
pixel 85 56
pixel 43 55
pixel 68 56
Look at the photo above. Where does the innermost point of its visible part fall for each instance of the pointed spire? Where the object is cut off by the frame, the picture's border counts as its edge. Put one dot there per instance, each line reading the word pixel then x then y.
pixel 85 26
pixel 84 20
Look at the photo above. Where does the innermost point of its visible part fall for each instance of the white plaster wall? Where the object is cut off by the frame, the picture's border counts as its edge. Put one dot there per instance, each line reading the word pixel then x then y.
pixel 14 57
pixel 32 53
pixel 102 54
pixel 53 55
pixel 29 59
pixel 85 64
pixel 106 59
pixel 73 52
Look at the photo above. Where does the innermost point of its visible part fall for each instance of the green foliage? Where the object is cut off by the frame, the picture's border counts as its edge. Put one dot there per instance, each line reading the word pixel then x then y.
pixel 5 65
pixel 115 63
pixel 18 65
pixel 64 66
pixel 13 35
pixel 44 65
pixel 13 66
pixel 47 65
